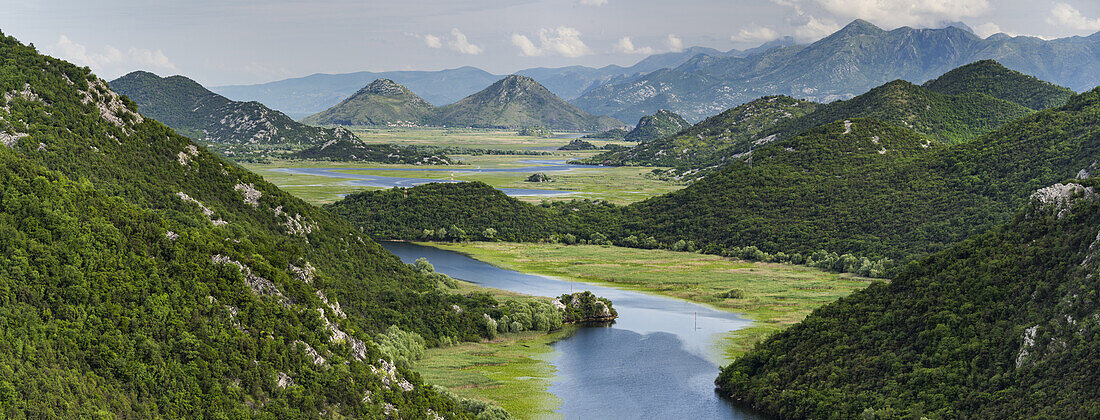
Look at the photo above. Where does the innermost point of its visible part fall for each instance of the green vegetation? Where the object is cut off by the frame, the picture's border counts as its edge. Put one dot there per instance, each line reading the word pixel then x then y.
pixel 960 106
pixel 991 78
pixel 664 123
pixel 354 150
pixel 775 295
pixel 516 102
pixel 612 134
pixel 585 307
pixel 539 177
pixel 382 102
pixel 1002 325
pixel 205 116
pixel 578 144
pixel 535 131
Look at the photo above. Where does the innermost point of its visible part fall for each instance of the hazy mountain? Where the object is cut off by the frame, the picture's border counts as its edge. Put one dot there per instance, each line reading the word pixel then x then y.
pixel 186 106
pixel 304 96
pixel 379 103
pixel 844 64
pixel 516 102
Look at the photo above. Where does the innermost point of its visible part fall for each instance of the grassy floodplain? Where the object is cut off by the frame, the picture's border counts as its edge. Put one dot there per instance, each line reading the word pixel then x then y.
pixel 776 295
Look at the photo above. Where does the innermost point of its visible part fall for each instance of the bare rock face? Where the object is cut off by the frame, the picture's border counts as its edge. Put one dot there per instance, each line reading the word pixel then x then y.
pixel 1059 198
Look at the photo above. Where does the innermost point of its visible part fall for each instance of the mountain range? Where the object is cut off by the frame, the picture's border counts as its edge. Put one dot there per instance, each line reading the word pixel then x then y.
pixel 956 107
pixel 513 102
pixel 196 112
pixel 304 96
pixel 844 64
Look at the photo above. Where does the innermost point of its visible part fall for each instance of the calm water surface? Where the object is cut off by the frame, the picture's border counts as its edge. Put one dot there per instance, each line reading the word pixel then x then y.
pixel 655 362
pixel 358 179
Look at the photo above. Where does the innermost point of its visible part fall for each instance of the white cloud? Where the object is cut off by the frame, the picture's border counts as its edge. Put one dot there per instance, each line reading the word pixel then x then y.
pixel 111 61
pixel 433 41
pixel 755 34
pixel 1064 14
pixel 593 2
pixel 460 43
pixel 626 46
pixel 815 29
pixel 526 47
pixel 675 44
pixel 893 13
pixel 563 41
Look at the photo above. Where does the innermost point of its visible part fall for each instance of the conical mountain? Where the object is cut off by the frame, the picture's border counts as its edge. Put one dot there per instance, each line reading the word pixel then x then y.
pixel 991 78
pixel 205 116
pixel 663 123
pixel 382 102
pixel 519 101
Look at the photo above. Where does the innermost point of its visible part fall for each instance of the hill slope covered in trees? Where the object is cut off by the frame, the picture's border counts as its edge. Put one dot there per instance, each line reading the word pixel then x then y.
pixel 142 276
pixel 382 102
pixel 1003 325
pixel 205 116
pixel 517 102
pixel 959 106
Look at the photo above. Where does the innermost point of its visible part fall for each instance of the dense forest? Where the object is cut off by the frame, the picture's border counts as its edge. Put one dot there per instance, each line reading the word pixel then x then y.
pixel 862 188
pixel 142 276
pixel 1002 325
pixel 354 151
pixel 958 107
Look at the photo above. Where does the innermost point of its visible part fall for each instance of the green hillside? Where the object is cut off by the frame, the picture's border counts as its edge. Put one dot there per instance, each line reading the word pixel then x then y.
pixel 355 150
pixel 991 78
pixel 942 118
pixel 207 117
pixel 1003 325
pixel 382 102
pixel 515 102
pixel 661 124
pixel 141 276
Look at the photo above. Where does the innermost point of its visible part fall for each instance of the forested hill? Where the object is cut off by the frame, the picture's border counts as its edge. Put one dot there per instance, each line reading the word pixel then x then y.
pixel 993 79
pixel 964 114
pixel 382 102
pixel 861 186
pixel 141 276
pixel 1003 325
pixel 517 102
pixel 355 150
pixel 205 116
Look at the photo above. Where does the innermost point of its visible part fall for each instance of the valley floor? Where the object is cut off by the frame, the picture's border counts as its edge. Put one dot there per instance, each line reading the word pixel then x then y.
pixel 513 371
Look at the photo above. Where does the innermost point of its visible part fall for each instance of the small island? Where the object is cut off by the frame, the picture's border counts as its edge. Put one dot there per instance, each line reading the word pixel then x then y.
pixel 585 307
pixel 539 177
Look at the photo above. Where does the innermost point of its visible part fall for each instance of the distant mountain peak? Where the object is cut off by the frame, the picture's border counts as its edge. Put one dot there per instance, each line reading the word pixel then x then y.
pixel 860 26
pixel 386 87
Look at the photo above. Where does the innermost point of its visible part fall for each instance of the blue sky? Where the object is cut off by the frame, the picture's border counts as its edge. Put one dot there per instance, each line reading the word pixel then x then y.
pixel 221 42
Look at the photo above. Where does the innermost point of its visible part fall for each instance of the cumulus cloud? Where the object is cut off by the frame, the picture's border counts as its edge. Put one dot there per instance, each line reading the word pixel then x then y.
pixel 675 44
pixel 460 43
pixel 893 13
pixel 563 41
pixel 626 46
pixel 815 28
pixel 755 34
pixel 433 41
pixel 1064 14
pixel 593 2
pixel 110 61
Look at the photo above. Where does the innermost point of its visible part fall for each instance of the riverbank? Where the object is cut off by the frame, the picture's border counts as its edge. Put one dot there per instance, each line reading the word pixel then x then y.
pixel 510 371
pixel 775 295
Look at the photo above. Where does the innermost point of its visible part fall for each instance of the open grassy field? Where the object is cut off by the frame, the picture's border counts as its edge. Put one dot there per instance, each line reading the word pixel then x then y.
pixel 620 185
pixel 776 295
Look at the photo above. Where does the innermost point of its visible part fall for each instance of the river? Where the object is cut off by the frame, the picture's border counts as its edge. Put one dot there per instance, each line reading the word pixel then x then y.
pixel 536 165
pixel 657 361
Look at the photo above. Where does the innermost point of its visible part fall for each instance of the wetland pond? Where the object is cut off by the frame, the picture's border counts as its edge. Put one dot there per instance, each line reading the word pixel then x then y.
pixel 657 361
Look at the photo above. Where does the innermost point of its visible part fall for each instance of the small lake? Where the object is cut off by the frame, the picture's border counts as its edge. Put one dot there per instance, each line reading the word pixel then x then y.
pixel 657 361
pixel 365 180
